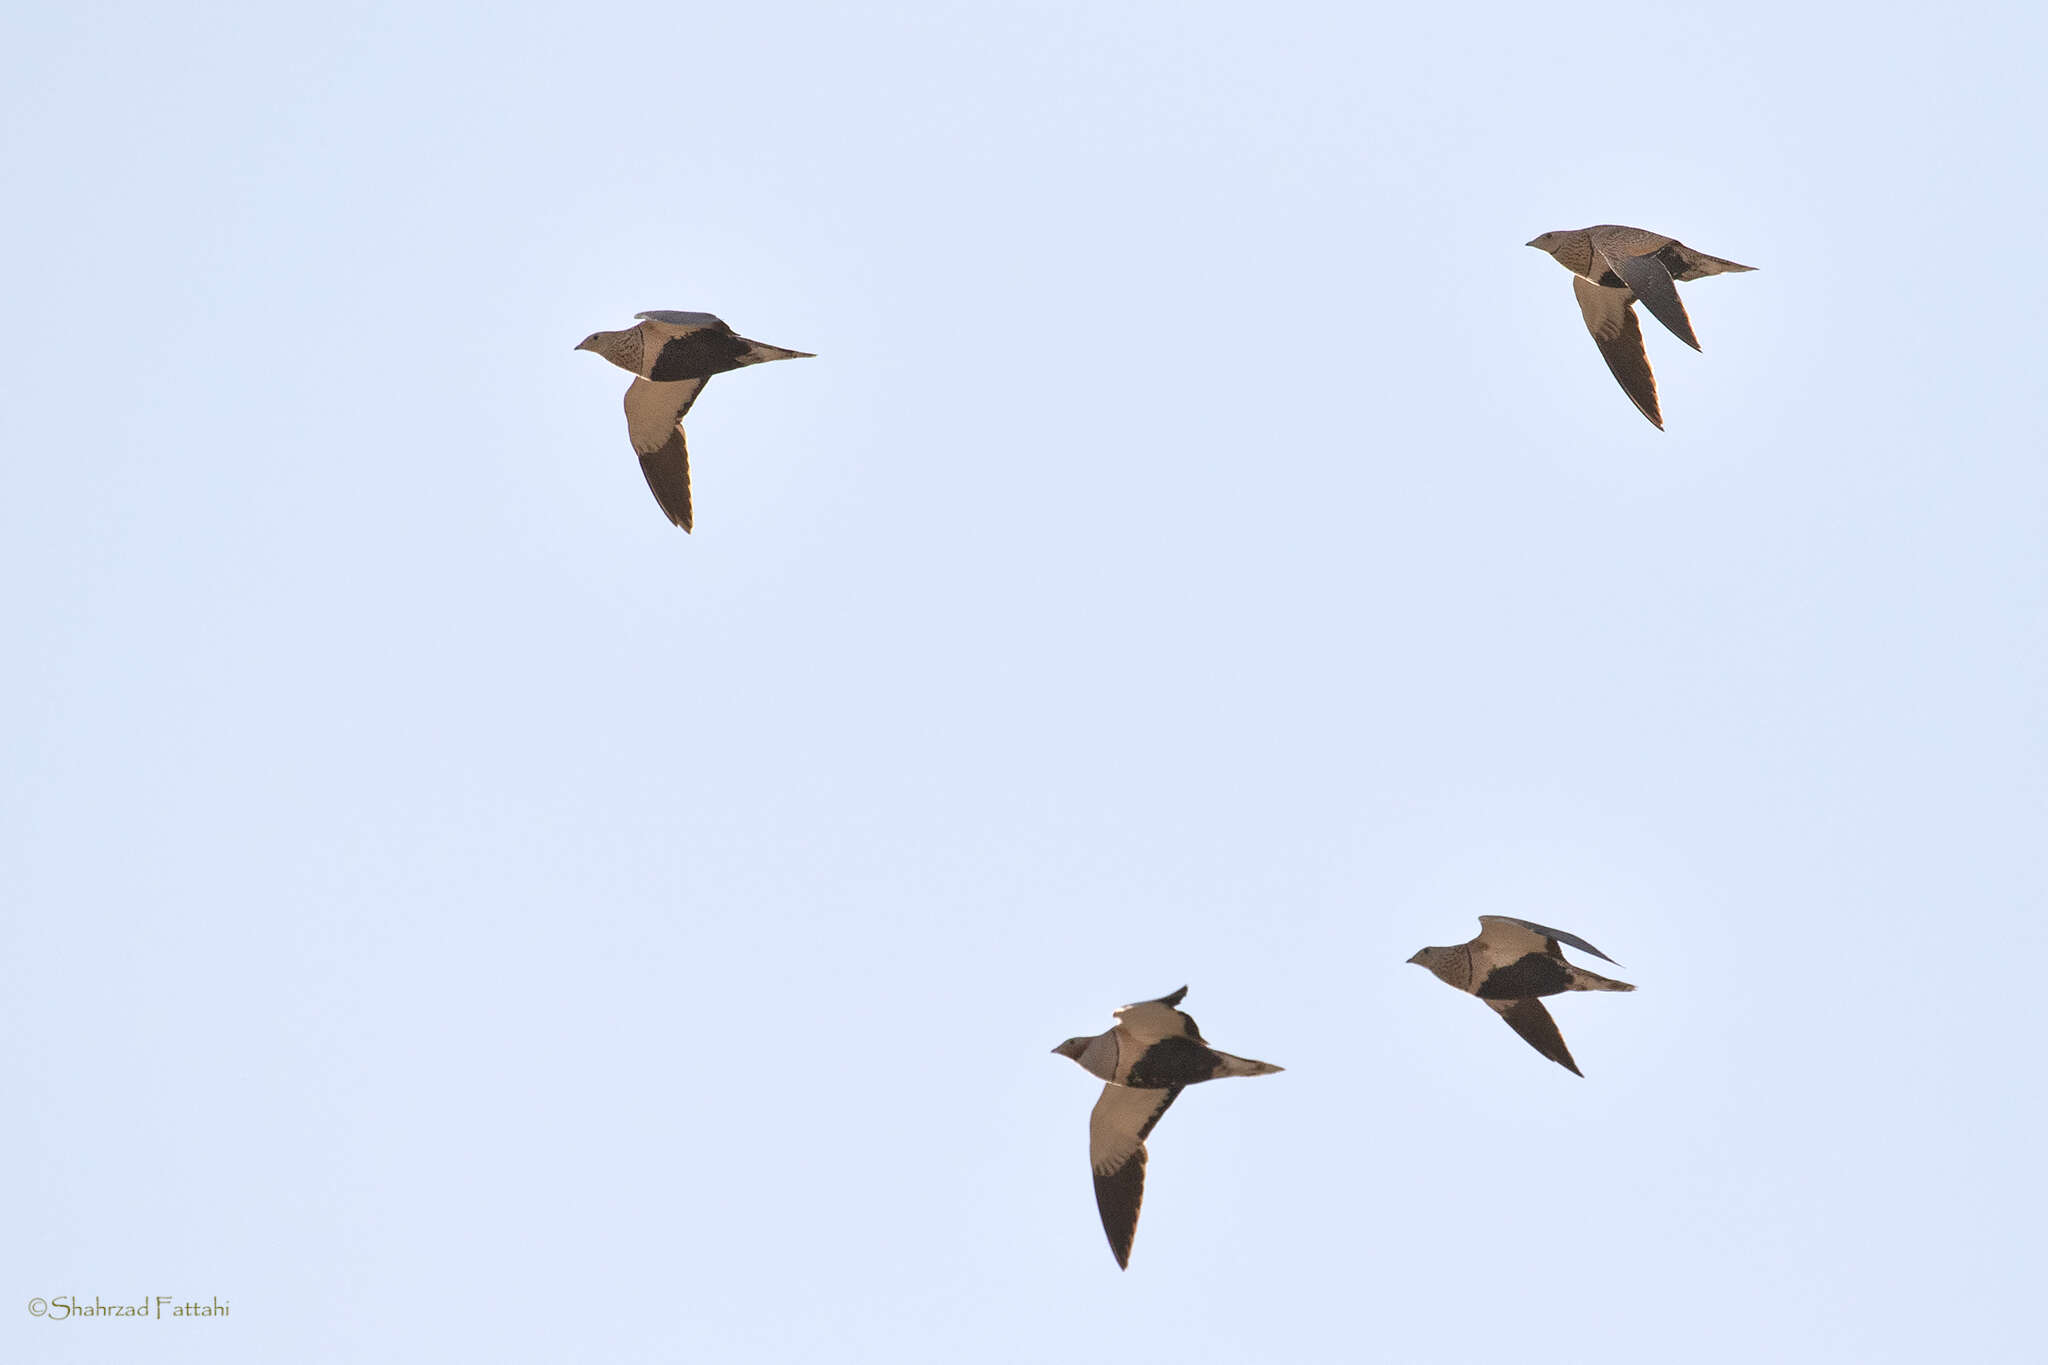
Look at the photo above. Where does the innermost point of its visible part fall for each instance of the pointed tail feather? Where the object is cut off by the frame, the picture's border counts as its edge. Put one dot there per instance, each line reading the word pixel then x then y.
pixel 759 352
pixel 1714 265
pixel 1583 980
pixel 1245 1066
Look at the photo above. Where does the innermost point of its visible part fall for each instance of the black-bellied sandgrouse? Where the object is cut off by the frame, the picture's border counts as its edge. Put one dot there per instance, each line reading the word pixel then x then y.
pixel 1152 1054
pixel 1611 268
pixel 671 355
pixel 1511 966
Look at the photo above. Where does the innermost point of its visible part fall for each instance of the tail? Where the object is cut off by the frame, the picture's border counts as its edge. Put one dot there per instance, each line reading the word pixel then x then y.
pixel 1714 265
pixel 1243 1066
pixel 1583 980
pixel 758 352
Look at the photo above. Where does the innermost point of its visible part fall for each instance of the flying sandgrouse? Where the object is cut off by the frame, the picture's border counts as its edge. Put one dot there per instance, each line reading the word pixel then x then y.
pixel 1152 1054
pixel 1511 966
pixel 671 356
pixel 1611 268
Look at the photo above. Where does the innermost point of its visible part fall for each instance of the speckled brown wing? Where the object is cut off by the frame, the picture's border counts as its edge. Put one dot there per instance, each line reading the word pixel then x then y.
pixel 1620 338
pixel 1613 239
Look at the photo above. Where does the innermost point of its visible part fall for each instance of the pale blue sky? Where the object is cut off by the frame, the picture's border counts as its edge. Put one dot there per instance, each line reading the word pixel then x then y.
pixel 452 915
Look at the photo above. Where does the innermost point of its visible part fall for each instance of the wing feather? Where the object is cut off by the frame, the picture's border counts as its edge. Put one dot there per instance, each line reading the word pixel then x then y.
pixel 1512 937
pixel 1150 1021
pixel 1528 1018
pixel 654 422
pixel 1117 1129
pixel 687 321
pixel 1620 338
pixel 1651 282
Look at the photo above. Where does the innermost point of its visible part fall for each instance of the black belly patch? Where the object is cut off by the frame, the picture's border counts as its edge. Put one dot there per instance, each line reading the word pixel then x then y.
pixel 697 355
pixel 1173 1062
pixel 1531 975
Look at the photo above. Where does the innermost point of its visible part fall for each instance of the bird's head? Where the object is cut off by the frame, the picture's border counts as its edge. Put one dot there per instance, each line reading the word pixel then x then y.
pixel 1452 965
pixel 1073 1047
pixel 1549 241
pixel 589 343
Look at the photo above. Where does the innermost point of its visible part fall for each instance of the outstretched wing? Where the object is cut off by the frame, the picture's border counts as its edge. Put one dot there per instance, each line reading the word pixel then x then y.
pixel 654 423
pixel 1538 1030
pixel 1151 1021
pixel 1510 938
pixel 1620 339
pixel 689 320
pixel 1117 1129
pixel 653 411
pixel 1651 282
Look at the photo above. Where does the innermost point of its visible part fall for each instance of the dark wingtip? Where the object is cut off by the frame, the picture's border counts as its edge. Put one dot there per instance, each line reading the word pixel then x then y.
pixel 1175 998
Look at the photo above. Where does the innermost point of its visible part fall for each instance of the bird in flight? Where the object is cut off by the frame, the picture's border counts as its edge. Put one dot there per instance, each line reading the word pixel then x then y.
pixel 1512 965
pixel 1611 268
pixel 1154 1052
pixel 671 356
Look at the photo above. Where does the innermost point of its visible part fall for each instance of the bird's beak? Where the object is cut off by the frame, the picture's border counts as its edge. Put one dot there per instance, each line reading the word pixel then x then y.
pixel 1417 959
pixel 1535 242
